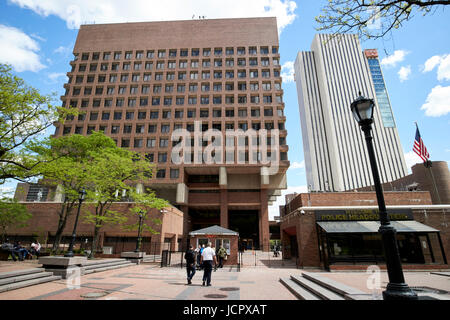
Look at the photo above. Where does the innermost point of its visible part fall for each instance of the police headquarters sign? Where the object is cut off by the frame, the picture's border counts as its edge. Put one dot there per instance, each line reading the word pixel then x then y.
pixel 362 215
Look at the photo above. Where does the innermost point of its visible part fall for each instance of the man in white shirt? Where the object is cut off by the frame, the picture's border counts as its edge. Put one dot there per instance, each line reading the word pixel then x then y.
pixel 208 256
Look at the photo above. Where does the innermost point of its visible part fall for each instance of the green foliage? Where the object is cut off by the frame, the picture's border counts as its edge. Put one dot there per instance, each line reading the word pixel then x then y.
pixel 25 114
pixel 12 214
pixel 371 19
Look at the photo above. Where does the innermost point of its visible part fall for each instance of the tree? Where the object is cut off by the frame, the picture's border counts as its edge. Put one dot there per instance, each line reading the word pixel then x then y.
pixel 12 214
pixel 144 202
pixel 372 19
pixel 113 174
pixel 64 163
pixel 25 115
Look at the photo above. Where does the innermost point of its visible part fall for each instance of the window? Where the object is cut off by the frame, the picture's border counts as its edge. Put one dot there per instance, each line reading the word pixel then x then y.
pixel 241 74
pixel 90 129
pixel 126 66
pixel 150 54
pixel 151 128
pixel 252 50
pixel 115 129
pixel 138 143
pixel 195 52
pixel 142 115
pixel 174 173
pixel 205 87
pixel 161 174
pixel 143 102
pixel 268 112
pixel 119 102
pixel 192 100
pixel 254 99
pixel 90 78
pixel 204 100
pixel 132 102
pixel 85 56
pixel 171 64
pixel 242 113
pixel 129 115
pixel 255 113
pixel 217 74
pixel 242 86
pixel 161 53
pixel 229 74
pixel 160 65
pixel 105 116
pixel 168 88
pixel 229 86
pixel 151 143
pixel 194 75
pixel 191 114
pixel 193 87
pixel 167 101
pixel 267 99
pixel 206 63
pixel 128 55
pixel 206 52
pixel 124 78
pixel 81 117
pixel 206 75
pixel 217 63
pixel 95 56
pixel 163 142
pixel 265 73
pixel 156 101
pixel 157 88
pixel 148 65
pixel 145 89
pixel 229 51
pixel 170 76
pixel 112 78
pixel 117 115
pixel 264 50
pixel 125 143
pixel 178 114
pixel 204 113
pixel 253 73
pixel 229 113
pixel 149 157
pixel 67 130
pixel 162 157
pixel 115 67
pixel 181 75
pixel 181 88
pixel 173 53
pixel 217 113
pixel 180 101
pixel 133 89
pixel 241 62
pixel 229 99
pixel 194 64
pixel 158 76
pixel 243 126
pixel 147 77
pixel 154 115
pixel 241 51
pixel 166 115
pixel 93 116
pixel 117 55
pixel 266 86
pixel 217 87
pixel 96 103
pixel 183 64
pixel 254 86
pixel 78 130
pixel 165 128
pixel 229 62
pixel 217 100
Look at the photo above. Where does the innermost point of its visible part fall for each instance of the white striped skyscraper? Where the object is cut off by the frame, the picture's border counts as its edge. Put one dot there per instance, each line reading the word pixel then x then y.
pixel 329 78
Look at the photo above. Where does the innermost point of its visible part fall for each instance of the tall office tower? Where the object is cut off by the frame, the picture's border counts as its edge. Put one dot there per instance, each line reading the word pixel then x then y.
pixel 329 78
pixel 139 82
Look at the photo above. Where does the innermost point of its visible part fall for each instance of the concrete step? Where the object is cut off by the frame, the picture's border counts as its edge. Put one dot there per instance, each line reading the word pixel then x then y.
pixel 20 272
pixel 27 283
pixel 336 287
pixel 106 264
pixel 297 290
pixel 117 266
pixel 101 261
pixel 36 275
pixel 316 289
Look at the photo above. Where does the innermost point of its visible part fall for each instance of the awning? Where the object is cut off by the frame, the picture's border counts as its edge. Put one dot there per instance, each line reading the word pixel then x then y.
pixel 372 226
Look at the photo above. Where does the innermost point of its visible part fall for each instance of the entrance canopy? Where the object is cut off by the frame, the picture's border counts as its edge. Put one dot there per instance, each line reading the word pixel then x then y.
pixel 214 230
pixel 372 226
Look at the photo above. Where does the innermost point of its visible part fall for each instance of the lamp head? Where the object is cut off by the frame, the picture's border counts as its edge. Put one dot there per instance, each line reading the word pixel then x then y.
pixel 362 109
pixel 82 194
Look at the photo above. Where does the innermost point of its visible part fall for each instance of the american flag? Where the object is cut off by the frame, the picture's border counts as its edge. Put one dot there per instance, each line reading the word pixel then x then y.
pixel 420 148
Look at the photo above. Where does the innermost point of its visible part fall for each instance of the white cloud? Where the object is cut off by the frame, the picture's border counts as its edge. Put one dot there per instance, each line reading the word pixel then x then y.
pixel 274 210
pixel 297 165
pixel 76 12
pixel 287 72
pixel 443 64
pixel 62 50
pixel 404 73
pixel 411 158
pixel 438 102
pixel 19 50
pixel 393 59
pixel 55 75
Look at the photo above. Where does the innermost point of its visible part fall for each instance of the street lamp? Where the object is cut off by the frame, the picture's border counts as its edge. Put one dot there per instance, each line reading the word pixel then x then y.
pixel 362 109
pixel 138 242
pixel 81 197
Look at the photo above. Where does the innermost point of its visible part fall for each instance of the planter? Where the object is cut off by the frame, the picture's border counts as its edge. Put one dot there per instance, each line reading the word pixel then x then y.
pixel 4 255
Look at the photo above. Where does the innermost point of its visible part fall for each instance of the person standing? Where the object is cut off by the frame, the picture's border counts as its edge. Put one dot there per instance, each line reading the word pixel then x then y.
pixel 200 260
pixel 208 257
pixel 36 248
pixel 190 264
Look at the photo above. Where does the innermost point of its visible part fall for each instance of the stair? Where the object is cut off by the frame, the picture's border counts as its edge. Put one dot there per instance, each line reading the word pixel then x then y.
pixel 152 258
pixel 92 266
pixel 313 286
pixel 24 278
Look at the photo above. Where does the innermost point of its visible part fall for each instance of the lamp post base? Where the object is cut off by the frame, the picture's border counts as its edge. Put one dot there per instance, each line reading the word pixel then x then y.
pixel 399 291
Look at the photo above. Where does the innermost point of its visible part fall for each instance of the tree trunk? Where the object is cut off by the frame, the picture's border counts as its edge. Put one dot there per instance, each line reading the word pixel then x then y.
pixel 95 241
pixel 66 209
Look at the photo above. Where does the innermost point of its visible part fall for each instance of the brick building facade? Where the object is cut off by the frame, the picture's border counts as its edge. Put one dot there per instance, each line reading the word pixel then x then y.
pixel 140 82
pixel 303 237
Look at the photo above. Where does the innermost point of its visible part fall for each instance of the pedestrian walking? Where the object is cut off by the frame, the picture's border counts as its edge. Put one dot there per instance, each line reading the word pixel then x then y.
pixel 222 254
pixel 208 257
pixel 190 264
pixel 200 264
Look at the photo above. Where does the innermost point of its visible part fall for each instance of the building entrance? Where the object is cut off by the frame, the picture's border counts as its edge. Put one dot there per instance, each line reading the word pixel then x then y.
pixel 246 223
pixel 203 218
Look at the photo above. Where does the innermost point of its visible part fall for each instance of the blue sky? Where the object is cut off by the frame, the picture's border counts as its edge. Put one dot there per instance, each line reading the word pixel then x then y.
pixel 37 38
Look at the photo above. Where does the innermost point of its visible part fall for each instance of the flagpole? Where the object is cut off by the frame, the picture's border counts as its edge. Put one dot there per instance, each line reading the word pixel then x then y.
pixel 428 164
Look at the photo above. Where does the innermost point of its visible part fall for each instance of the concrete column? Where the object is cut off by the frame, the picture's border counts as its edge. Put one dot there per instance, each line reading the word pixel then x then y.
pixel 59 194
pixel 174 243
pixel 264 222
pixel 264 176
pixel 139 188
pixel 187 226
pixel 224 208
pixel 223 176
pixel 182 193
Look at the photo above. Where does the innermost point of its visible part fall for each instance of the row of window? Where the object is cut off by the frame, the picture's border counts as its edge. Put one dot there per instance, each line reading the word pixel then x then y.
pixel 178 114
pixel 182 64
pixel 182 75
pixel 193 87
pixel 165 128
pixel 172 53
